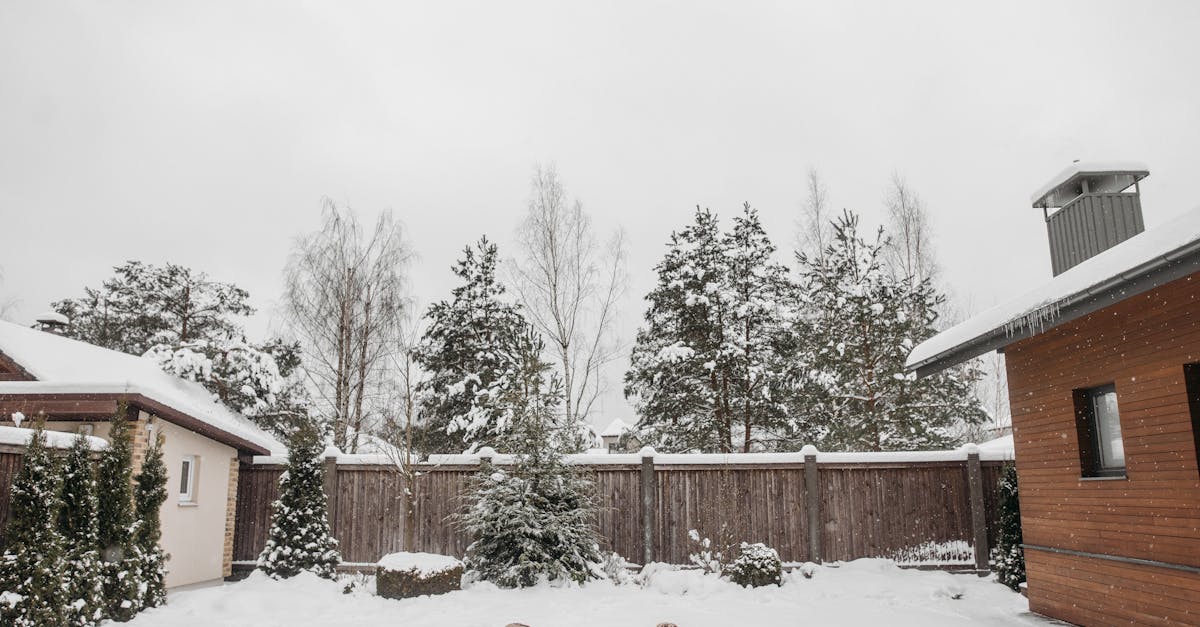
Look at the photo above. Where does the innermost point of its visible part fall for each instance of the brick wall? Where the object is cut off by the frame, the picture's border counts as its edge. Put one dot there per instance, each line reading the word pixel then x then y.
pixel 230 518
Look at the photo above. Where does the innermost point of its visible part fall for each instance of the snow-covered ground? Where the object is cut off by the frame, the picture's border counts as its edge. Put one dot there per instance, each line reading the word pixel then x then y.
pixel 863 592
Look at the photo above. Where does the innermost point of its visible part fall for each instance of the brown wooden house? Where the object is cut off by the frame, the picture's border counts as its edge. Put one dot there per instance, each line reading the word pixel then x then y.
pixel 1104 383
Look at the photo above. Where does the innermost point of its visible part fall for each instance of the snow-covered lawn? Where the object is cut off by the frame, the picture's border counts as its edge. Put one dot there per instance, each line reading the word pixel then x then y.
pixel 864 592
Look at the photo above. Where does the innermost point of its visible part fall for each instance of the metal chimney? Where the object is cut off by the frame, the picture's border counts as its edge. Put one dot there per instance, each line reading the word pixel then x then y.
pixel 1096 210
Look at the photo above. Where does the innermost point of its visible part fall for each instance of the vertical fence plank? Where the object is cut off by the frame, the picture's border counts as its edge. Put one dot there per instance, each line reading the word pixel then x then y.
pixel 812 504
pixel 978 516
pixel 649 488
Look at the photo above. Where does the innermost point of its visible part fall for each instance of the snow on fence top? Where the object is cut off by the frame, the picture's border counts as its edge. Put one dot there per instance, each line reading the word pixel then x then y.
pixel 1039 309
pixel 65 366
pixel 987 452
pixel 18 436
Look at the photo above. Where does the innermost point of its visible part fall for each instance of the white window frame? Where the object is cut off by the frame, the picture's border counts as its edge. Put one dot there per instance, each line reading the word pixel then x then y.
pixel 188 495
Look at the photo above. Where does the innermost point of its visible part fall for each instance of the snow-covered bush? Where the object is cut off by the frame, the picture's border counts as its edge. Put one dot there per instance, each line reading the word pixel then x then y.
pixel 709 556
pixel 532 522
pixel 616 568
pixel 148 496
pixel 32 568
pixel 79 530
pixel 299 539
pixel 1008 558
pixel 756 565
pixel 120 566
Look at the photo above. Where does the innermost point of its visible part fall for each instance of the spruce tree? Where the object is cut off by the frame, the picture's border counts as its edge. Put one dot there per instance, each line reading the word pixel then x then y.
pixel 299 539
pixel 78 526
pixel 855 329
pixel 466 351
pixel 679 366
pixel 1008 558
pixel 33 564
pixel 120 566
pixel 149 495
pixel 533 521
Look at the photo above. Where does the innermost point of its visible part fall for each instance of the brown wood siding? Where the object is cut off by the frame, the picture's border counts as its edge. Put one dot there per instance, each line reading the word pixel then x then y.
pixel 1141 346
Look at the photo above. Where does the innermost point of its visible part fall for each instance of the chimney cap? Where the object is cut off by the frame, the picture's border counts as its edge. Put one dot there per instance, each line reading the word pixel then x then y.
pixel 1103 177
pixel 53 318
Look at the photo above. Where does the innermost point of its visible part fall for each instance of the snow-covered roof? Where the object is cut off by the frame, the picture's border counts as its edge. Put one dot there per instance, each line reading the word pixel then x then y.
pixel 19 436
pixel 1002 445
pixel 1085 287
pixel 65 366
pixel 1049 195
pixel 53 316
pixel 615 429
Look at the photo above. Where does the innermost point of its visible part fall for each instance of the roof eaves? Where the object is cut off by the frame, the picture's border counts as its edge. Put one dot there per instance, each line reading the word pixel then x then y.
pixel 1156 272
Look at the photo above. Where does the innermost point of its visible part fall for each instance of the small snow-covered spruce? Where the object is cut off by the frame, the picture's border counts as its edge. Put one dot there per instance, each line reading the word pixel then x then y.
pixel 33 564
pixel 300 539
pixel 533 521
pixel 149 494
pixel 78 526
pixel 756 565
pixel 1008 559
pixel 120 566
pixel 855 328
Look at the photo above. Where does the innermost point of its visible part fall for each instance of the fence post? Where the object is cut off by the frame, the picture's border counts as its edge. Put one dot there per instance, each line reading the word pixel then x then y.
pixel 649 488
pixel 330 484
pixel 978 515
pixel 812 502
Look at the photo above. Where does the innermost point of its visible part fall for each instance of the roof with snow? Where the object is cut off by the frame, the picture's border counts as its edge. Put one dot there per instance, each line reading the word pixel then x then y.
pixel 1104 177
pixel 63 368
pixel 1145 261
pixel 615 429
pixel 18 436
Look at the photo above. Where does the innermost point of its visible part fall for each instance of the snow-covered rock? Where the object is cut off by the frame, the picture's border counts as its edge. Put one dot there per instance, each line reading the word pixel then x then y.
pixel 403 575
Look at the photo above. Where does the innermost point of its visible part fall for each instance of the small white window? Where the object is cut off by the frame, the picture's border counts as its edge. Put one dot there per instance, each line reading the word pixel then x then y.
pixel 187 480
pixel 87 428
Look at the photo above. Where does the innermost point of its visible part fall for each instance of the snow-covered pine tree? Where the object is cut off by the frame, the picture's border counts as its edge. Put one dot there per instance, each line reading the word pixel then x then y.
pixel 300 539
pixel 855 333
pixel 679 366
pixel 709 367
pixel 757 288
pixel 120 566
pixel 143 305
pixel 148 496
pixel 465 351
pixel 533 521
pixel 32 568
pixel 1008 558
pixel 78 527
pixel 261 382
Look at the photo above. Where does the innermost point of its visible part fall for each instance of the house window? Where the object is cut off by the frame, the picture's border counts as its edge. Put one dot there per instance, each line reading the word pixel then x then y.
pixel 87 428
pixel 1101 450
pixel 1191 377
pixel 187 480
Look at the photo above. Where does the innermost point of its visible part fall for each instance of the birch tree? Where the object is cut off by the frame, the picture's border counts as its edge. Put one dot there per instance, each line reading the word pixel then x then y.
pixel 570 287
pixel 813 227
pixel 345 299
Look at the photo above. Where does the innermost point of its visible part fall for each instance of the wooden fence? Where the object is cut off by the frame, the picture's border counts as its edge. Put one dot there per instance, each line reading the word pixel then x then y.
pixel 823 507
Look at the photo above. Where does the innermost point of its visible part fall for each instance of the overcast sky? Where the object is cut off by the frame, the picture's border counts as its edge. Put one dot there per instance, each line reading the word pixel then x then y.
pixel 207 135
